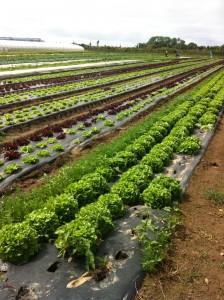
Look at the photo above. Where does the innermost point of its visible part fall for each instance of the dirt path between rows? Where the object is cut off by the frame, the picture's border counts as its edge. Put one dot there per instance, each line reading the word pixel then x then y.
pixel 194 269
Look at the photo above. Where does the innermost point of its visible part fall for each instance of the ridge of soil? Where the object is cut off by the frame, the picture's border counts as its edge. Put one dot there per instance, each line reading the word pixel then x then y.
pixel 194 268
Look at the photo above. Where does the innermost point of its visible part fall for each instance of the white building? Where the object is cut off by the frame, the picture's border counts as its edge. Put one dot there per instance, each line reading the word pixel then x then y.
pixel 10 43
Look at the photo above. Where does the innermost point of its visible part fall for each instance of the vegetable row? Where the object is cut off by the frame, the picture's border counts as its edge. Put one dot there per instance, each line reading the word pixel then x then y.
pixel 40 57
pixel 74 86
pixel 48 108
pixel 69 76
pixel 79 220
pixel 61 74
pixel 45 143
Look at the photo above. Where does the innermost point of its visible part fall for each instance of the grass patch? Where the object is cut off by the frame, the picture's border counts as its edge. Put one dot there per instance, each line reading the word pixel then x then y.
pixel 217 197
pixel 193 276
pixel 154 251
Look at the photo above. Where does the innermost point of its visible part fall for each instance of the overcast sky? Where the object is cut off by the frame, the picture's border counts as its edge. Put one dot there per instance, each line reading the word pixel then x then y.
pixel 114 22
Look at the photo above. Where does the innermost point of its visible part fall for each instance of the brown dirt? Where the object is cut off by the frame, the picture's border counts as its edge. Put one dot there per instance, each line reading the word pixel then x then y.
pixel 194 269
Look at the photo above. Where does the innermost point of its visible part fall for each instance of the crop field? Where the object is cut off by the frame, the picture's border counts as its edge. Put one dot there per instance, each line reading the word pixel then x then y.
pixel 96 151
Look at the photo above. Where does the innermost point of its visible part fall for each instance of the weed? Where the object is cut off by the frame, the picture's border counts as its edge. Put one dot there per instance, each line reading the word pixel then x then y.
pixel 217 197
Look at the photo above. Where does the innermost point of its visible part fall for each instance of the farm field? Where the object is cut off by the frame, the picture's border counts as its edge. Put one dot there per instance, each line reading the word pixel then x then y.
pixel 20 60
pixel 93 164
pixel 22 57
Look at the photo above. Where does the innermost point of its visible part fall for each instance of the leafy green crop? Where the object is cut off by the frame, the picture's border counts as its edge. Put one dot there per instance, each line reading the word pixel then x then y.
pixel 44 153
pixel 58 148
pixel 138 149
pixel 162 192
pixel 88 188
pixel 154 162
pixel 122 160
pixel 95 130
pixel 163 152
pixel 81 236
pixel 108 123
pixel 41 145
pixel 72 131
pixel 107 172
pixel 101 117
pixel 114 203
pixel 12 168
pixel 18 242
pixel 208 119
pixel 157 196
pixel 51 140
pixel 87 134
pixel 31 159
pixel 64 206
pixel 44 222
pixel 98 215
pixel 171 184
pixel 140 175
pixel 181 132
pixel 128 191
pixel 77 239
pixel 27 149
pixel 191 146
pixel 157 134
pixel 162 129
pixel 145 140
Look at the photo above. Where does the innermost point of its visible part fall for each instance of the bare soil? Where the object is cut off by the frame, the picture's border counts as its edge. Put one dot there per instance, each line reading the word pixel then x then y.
pixel 194 269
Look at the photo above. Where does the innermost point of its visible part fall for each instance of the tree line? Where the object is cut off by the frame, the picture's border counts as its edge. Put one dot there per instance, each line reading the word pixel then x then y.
pixel 157 42
pixel 162 44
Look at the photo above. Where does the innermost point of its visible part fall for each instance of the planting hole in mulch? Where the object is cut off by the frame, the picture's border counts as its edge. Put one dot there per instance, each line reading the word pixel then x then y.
pixel 121 255
pixel 53 267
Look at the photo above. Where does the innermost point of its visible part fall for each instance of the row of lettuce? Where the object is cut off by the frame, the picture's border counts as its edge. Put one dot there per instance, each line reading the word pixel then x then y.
pixel 79 220
pixel 46 77
pixel 14 158
pixel 62 74
pixel 28 114
pixel 18 96
pixel 34 112
pixel 43 91
pixel 35 57
pixel 38 67
pixel 44 144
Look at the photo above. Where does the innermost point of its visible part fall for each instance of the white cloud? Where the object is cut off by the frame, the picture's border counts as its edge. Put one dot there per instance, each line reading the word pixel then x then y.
pixel 114 22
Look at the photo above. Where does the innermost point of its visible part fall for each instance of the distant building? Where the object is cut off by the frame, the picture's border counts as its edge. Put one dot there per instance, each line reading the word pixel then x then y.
pixel 10 43
pixel 21 39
